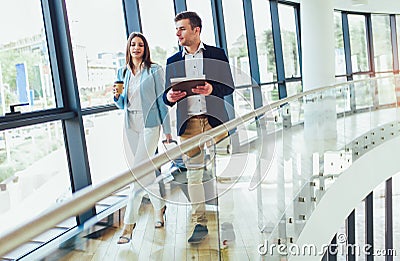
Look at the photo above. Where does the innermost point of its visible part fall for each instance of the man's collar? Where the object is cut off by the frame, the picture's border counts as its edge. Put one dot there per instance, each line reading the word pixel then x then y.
pixel 201 46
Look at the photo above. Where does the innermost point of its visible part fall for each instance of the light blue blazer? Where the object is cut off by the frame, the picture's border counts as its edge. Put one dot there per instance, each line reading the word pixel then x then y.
pixel 155 112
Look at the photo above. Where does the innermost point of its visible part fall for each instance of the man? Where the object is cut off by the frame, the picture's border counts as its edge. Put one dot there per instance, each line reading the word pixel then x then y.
pixel 203 110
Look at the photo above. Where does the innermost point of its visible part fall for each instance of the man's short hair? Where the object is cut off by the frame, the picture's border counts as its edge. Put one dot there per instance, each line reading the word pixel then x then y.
pixel 194 18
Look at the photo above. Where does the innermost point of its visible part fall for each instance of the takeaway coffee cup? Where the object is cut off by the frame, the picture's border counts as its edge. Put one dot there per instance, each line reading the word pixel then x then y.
pixel 119 85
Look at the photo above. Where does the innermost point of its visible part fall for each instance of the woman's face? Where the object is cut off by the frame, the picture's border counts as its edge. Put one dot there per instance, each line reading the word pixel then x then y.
pixel 137 48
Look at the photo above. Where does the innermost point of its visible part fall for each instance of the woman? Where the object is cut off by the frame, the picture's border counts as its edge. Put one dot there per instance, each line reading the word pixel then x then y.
pixel 145 112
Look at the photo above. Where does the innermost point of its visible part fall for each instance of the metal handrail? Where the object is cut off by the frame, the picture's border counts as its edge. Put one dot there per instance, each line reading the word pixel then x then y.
pixel 85 198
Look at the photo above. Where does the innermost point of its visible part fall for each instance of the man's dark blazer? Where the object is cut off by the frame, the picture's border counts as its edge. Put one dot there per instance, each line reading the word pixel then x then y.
pixel 217 71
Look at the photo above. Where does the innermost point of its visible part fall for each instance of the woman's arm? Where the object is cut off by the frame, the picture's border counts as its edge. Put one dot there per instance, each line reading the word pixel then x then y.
pixel 119 99
pixel 159 83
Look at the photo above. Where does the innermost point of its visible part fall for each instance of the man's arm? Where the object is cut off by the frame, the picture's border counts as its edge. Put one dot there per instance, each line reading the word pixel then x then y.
pixel 167 84
pixel 170 97
pixel 224 85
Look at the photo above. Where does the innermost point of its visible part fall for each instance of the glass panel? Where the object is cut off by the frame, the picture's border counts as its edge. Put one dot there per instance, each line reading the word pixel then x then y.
pixel 33 172
pixel 289 40
pixel 264 41
pixel 98 44
pixel 386 91
pixel 382 43
pixel 106 159
pixel 363 92
pixel 162 41
pixel 25 74
pixel 269 93
pixel 203 9
pixel 340 59
pixel 236 41
pixel 243 100
pixel 342 96
pixel 358 43
pixel 293 88
pixel 296 108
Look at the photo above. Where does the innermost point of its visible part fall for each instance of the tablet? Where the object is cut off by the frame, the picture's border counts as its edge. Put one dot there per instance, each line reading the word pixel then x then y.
pixel 186 84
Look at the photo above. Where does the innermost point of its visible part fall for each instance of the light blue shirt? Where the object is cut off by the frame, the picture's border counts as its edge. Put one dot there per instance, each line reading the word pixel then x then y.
pixel 152 82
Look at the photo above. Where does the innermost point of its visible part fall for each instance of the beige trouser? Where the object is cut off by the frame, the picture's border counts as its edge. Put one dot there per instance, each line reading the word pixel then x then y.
pixel 194 161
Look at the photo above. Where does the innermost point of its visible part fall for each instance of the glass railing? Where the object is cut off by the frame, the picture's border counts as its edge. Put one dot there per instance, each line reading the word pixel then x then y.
pixel 311 156
pixel 261 184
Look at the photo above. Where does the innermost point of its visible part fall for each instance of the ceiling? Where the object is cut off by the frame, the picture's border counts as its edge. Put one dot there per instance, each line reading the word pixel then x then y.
pixel 370 6
pixel 373 6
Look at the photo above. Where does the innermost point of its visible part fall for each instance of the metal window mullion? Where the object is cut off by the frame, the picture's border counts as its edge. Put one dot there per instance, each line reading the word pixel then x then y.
pixel 65 84
pixel 220 41
pixel 369 225
pixel 347 56
pixel 252 52
pixel 389 218
pixel 219 24
pixel 370 44
pixel 395 48
pixel 132 16
pixel 351 235
pixel 371 55
pixel 298 35
pixel 276 35
pixel 34 118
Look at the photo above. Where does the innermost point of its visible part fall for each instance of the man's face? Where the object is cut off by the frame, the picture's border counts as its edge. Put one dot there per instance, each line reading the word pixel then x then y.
pixel 186 35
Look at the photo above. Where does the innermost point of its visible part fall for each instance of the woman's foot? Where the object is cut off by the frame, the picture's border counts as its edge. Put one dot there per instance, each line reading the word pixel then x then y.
pixel 160 218
pixel 126 234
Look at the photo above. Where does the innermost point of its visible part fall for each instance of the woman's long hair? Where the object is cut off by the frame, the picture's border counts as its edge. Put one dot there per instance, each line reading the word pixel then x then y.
pixel 146 61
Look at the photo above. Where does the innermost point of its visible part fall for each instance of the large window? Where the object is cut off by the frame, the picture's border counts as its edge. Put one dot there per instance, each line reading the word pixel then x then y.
pixel 398 32
pixel 382 44
pixel 33 172
pixel 25 74
pixel 236 41
pixel 340 60
pixel 289 40
pixel 98 41
pixel 358 43
pixel 203 9
pixel 159 28
pixel 105 147
pixel 264 41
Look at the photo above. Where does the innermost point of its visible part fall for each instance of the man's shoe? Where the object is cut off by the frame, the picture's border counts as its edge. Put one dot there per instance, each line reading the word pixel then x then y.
pixel 199 234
